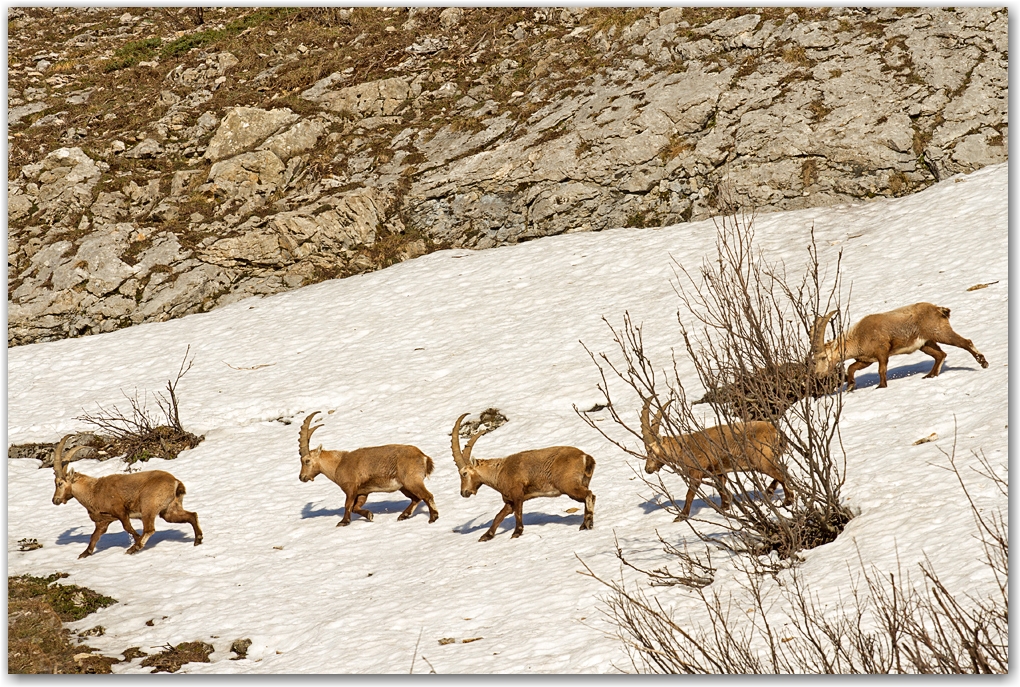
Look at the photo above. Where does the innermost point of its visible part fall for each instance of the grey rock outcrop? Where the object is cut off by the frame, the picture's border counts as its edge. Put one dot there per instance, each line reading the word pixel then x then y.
pixel 446 135
pixel 243 128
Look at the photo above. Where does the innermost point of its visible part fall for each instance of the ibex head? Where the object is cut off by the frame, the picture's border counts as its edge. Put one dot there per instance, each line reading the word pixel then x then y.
pixel 650 434
pixel 825 355
pixel 466 466
pixel 309 459
pixel 63 479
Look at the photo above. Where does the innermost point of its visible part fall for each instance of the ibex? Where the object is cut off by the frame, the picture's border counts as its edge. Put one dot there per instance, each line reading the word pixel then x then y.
pixel 768 392
pixel 739 447
pixel 553 471
pixel 122 497
pixel 364 471
pixel 921 326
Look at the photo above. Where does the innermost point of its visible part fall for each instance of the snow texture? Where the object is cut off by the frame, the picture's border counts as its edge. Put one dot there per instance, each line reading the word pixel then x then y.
pixel 398 354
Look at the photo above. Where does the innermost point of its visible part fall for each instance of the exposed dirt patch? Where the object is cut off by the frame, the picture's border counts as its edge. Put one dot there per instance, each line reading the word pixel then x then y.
pixel 37 641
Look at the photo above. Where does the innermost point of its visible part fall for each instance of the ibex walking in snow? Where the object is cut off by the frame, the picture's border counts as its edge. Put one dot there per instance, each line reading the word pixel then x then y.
pixel 364 471
pixel 921 326
pixel 739 447
pixel 554 471
pixel 122 497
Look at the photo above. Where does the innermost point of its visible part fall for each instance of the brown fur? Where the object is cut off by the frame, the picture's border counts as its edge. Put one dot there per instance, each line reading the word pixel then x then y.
pixel 122 497
pixel 364 471
pixel 921 326
pixel 553 471
pixel 713 452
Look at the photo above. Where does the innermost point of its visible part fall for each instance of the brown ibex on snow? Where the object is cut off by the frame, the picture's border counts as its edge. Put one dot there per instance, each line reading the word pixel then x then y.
pixel 739 447
pixel 553 471
pixel 364 471
pixel 921 326
pixel 122 497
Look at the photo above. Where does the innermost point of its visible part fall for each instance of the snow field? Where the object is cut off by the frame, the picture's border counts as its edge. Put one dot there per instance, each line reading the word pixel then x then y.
pixel 399 354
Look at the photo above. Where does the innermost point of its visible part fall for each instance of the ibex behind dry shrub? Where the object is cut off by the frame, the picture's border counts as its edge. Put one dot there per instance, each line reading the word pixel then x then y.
pixel 364 471
pixel 554 471
pixel 768 392
pixel 122 497
pixel 713 452
pixel 921 326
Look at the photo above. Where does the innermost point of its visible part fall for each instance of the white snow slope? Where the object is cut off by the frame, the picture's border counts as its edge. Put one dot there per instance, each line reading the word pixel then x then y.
pixel 398 354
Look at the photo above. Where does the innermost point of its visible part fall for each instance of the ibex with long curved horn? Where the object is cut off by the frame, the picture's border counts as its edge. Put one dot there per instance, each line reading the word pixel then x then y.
pixel 921 326
pixel 553 471
pixel 364 471
pixel 713 452
pixel 122 497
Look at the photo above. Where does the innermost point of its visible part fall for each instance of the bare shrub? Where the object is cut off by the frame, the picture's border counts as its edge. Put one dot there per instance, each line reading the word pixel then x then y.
pixel 139 435
pixel 746 328
pixel 889 624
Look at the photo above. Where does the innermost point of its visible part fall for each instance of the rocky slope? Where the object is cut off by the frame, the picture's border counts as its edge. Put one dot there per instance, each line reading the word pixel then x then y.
pixel 167 161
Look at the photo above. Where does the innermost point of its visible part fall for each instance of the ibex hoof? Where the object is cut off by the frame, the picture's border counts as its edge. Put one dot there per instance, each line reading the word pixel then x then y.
pixel 516 534
pixel 485 537
pixel 367 516
pixel 402 516
pixel 343 523
pixel 133 550
pixel 984 363
pixel 433 518
pixel 198 541
pixel 84 554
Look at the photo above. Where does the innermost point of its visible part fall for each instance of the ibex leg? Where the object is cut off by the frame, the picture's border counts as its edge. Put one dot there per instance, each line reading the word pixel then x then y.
pixel 852 370
pixel 367 514
pixel 883 366
pixel 100 530
pixel 692 489
pixel 932 349
pixel 725 499
pixel 348 509
pixel 507 507
pixel 176 513
pixel 414 503
pixel 589 511
pixel 953 339
pixel 148 529
pixel 519 517
pixel 126 524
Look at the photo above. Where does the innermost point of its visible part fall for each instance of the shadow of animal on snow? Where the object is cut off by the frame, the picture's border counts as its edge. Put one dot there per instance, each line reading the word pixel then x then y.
pixel 530 519
pixel 121 540
pixel 375 508
pixel 866 379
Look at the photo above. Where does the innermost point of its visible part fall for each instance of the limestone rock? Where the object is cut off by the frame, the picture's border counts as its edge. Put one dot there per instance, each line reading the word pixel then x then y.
pixel 149 147
pixel 297 139
pixel 245 127
pixel 375 98
pixel 66 179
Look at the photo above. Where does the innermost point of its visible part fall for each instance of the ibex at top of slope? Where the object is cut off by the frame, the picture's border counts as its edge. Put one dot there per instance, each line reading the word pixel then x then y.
pixel 921 326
